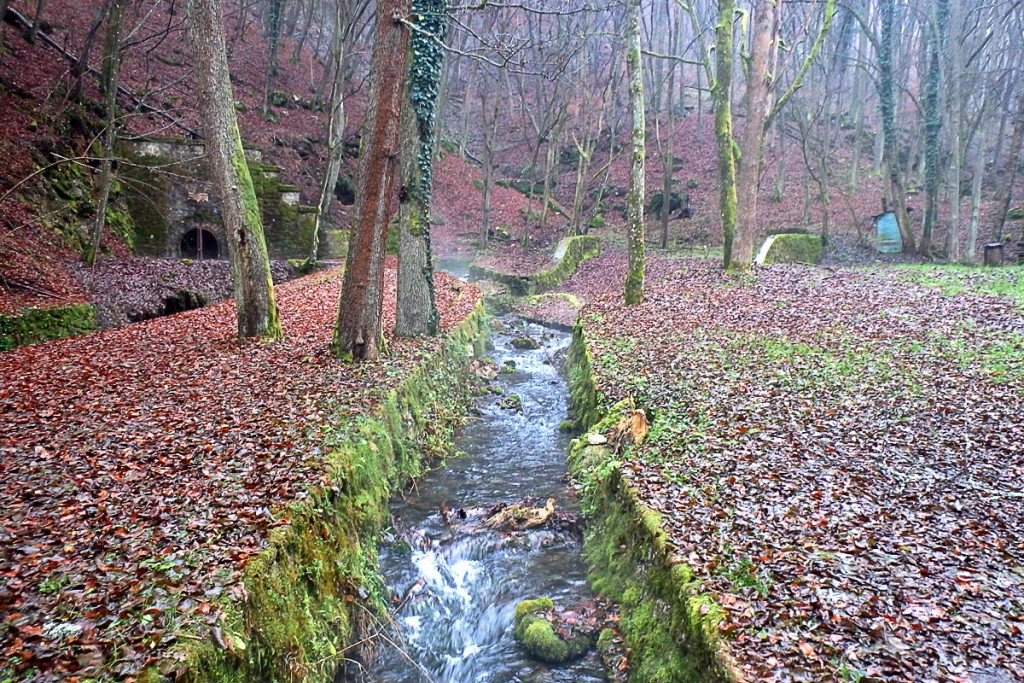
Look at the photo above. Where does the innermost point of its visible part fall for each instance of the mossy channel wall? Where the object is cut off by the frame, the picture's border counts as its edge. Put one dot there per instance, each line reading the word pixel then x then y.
pixel 569 255
pixel 669 625
pixel 315 589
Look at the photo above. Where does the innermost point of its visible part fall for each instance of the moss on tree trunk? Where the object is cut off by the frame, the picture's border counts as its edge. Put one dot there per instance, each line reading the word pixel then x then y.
pixel 229 173
pixel 634 291
pixel 721 91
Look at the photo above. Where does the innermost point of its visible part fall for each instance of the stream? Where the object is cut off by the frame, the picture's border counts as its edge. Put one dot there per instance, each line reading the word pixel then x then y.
pixel 459 586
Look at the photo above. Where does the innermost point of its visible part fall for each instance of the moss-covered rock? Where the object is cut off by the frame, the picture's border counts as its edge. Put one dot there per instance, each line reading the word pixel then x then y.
pixel 570 253
pixel 536 634
pixel 790 248
pixel 524 343
pixel 40 324
pixel 512 402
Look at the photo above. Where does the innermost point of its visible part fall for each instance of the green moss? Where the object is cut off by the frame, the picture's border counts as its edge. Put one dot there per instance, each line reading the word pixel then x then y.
pixel 584 409
pixel 512 402
pixel 794 248
pixel 121 225
pixel 538 637
pixel 146 199
pixel 316 586
pixel 788 231
pixel 528 607
pixel 527 187
pixel 524 343
pixel 574 251
pixel 40 324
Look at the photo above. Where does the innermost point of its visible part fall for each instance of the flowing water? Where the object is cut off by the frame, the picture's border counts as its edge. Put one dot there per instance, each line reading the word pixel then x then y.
pixel 459 585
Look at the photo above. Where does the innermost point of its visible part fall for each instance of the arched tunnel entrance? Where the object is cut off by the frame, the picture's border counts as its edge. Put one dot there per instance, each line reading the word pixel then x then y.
pixel 199 244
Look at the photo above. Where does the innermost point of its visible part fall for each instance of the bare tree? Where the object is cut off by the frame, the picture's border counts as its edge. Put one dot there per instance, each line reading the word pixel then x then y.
pixel 335 125
pixel 229 172
pixel 111 71
pixel 358 331
pixel 634 289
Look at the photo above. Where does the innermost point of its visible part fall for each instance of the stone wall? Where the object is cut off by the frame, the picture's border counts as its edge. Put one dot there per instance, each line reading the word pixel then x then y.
pixel 167 190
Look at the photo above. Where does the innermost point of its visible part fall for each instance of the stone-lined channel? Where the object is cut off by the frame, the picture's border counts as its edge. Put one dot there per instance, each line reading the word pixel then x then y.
pixel 459 586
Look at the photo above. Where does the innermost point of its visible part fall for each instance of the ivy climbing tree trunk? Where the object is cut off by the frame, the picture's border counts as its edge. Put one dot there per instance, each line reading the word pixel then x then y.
pixel 229 174
pixel 887 103
pixel 955 106
pixel 936 34
pixel 417 310
pixel 111 72
pixel 634 290
pixel 721 91
pixel 358 331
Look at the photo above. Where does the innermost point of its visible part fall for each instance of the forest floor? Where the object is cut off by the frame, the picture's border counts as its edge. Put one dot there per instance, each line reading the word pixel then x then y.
pixel 836 454
pixel 144 465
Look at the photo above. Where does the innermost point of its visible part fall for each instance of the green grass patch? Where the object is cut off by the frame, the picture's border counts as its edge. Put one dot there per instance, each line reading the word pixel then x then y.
pixel 955 279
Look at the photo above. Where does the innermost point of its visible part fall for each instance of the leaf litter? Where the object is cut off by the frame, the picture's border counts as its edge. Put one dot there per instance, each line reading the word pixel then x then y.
pixel 144 465
pixel 836 453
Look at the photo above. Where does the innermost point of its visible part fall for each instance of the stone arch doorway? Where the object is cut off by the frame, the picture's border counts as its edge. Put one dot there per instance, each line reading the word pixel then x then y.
pixel 199 244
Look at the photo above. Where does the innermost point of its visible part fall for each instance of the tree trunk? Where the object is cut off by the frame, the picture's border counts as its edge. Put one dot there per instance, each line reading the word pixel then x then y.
pixel 485 225
pixel 580 187
pixel 335 131
pixel 229 173
pixel 751 141
pixel 668 161
pixel 858 104
pixel 970 252
pixel 111 71
pixel 273 41
pixel 417 311
pixel 489 131
pixel 40 6
pixel 721 91
pixel 634 290
pixel 887 102
pixel 932 124
pixel 301 42
pixel 1005 196
pixel 957 123
pixel 358 333
pixel 550 158
pixel 81 66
